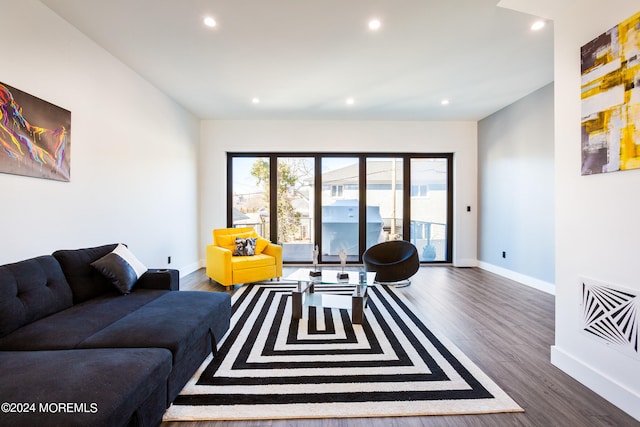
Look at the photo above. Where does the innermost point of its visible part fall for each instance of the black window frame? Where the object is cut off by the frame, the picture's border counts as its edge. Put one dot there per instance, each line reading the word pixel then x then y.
pixel 362 156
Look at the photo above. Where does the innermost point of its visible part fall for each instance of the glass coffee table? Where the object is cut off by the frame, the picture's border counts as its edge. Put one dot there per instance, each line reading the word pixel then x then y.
pixel 305 296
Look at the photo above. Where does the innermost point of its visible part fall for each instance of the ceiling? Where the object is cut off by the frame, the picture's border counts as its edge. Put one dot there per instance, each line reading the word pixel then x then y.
pixel 304 58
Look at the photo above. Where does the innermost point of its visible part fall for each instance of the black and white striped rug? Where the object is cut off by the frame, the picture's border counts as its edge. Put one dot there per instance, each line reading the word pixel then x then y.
pixel 268 367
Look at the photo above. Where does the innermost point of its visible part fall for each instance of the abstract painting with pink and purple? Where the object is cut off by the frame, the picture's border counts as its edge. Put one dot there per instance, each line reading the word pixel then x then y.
pixel 35 136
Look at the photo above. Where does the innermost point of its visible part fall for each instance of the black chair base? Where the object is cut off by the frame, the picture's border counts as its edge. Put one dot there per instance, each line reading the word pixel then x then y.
pixel 399 284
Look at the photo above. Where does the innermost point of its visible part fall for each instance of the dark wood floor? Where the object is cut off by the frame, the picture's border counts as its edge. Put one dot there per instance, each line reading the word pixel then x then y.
pixel 506 328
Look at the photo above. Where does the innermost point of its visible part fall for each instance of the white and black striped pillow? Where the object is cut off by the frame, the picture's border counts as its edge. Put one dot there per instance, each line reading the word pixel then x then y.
pixel 121 267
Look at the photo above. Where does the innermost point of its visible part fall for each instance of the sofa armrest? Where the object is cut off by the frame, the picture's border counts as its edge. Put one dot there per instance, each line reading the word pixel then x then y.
pixel 163 279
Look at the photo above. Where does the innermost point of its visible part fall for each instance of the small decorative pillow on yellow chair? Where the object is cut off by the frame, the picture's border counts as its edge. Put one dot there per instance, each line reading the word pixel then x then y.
pixel 245 246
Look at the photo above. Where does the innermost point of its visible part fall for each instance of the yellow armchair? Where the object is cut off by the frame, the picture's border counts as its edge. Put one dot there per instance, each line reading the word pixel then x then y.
pixel 227 269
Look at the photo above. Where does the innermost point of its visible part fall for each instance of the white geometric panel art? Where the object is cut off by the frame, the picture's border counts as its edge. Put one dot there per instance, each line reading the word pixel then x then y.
pixel 611 314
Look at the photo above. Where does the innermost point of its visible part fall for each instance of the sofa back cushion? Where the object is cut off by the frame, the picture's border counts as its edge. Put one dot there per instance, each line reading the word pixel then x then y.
pixel 85 281
pixel 30 290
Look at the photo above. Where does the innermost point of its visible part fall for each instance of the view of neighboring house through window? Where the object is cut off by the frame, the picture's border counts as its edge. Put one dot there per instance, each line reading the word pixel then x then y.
pixel 340 208
pixel 343 202
pixel 429 194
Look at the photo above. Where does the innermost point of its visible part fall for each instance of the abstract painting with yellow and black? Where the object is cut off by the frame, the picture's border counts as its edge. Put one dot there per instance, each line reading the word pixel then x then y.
pixel 34 136
pixel 611 99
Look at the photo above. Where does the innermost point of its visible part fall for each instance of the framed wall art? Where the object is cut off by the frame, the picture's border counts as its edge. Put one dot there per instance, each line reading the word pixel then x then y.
pixel 610 101
pixel 35 136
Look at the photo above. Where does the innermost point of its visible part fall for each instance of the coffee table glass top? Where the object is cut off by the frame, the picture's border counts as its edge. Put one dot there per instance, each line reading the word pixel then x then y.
pixel 330 276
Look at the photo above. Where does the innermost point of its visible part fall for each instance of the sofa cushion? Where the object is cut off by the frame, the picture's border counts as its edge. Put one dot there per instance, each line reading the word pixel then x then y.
pixel 68 328
pixel 121 267
pixel 107 386
pixel 30 290
pixel 174 321
pixel 85 281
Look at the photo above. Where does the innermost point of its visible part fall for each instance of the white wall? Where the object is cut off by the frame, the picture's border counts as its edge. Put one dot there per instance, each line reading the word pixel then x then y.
pixel 133 151
pixel 516 191
pixel 596 216
pixel 220 137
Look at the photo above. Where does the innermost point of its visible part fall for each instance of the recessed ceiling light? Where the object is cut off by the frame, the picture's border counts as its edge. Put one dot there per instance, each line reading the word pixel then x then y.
pixel 255 100
pixel 374 24
pixel 350 101
pixel 444 102
pixel 210 22
pixel 538 25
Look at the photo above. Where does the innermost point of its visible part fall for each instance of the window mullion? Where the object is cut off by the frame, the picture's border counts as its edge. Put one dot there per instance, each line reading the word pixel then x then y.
pixel 362 211
pixel 273 198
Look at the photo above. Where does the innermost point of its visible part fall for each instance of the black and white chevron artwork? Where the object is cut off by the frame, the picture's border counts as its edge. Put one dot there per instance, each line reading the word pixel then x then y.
pixel 393 364
pixel 611 314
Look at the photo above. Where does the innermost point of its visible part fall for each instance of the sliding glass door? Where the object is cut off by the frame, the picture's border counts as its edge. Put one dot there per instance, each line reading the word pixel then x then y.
pixel 343 202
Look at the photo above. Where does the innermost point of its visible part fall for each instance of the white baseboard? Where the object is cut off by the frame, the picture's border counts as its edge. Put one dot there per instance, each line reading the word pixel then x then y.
pixel 189 268
pixel 541 285
pixel 610 390
pixel 465 262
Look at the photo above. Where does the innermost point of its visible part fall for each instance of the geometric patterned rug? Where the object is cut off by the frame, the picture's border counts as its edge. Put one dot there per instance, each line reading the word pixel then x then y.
pixel 323 366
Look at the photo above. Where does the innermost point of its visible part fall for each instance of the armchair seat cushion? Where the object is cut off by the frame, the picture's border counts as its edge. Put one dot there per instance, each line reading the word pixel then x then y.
pixel 255 261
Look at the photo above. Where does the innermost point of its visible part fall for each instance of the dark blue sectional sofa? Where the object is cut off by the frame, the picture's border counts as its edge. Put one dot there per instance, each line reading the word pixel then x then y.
pixel 76 352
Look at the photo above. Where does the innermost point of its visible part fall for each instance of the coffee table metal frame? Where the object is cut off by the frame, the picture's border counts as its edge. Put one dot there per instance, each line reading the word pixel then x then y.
pixel 305 295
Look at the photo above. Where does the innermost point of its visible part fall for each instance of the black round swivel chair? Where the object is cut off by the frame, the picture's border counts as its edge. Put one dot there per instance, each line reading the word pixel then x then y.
pixel 394 262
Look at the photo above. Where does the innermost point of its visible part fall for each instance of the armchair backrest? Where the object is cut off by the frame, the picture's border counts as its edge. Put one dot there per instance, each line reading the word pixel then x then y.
pixel 226 238
pixel 221 235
